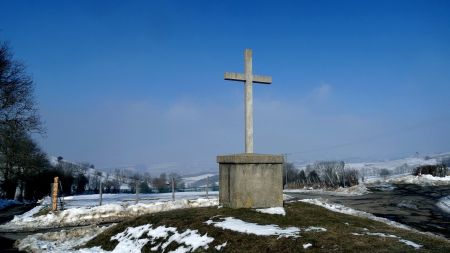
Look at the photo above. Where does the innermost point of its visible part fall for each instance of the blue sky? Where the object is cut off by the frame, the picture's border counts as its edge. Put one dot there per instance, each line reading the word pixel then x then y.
pixel 141 82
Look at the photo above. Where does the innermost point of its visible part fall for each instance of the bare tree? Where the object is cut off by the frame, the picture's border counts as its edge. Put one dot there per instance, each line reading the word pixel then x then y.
pixel 18 116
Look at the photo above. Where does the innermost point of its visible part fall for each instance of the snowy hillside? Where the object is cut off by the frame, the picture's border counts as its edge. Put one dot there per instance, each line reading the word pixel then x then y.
pixel 201 180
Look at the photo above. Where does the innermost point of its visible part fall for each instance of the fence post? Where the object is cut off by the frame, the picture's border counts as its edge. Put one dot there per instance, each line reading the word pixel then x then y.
pixel 173 189
pixel 207 186
pixel 101 192
pixel 55 194
pixel 137 191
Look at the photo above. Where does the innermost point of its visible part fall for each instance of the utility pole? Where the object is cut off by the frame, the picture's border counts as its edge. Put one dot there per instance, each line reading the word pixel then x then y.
pixel 285 168
pixel 137 191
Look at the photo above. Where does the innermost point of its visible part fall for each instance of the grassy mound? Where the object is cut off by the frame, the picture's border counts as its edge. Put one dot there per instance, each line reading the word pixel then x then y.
pixel 337 238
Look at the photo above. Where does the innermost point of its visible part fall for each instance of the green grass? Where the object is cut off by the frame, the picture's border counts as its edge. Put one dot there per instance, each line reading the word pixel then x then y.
pixel 44 211
pixel 337 238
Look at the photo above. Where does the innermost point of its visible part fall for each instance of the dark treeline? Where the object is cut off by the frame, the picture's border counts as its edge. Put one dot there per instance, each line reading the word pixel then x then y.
pixel 329 174
pixel 439 170
pixel 21 160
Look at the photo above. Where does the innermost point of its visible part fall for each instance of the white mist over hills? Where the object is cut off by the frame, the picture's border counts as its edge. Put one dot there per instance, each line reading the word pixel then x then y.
pixel 200 169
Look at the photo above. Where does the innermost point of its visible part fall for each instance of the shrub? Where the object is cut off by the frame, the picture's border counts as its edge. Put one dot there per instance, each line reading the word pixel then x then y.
pixel 439 170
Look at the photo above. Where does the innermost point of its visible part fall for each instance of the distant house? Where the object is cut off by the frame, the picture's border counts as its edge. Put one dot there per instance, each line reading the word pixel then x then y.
pixel 124 188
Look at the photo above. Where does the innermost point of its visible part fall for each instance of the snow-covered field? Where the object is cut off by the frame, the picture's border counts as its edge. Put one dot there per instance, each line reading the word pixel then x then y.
pixel 84 210
pixel 355 190
pixel 392 164
pixel 123 198
pixel 189 181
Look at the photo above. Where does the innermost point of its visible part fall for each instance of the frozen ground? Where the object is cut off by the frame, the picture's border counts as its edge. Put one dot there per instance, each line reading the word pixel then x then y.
pixel 272 210
pixel 355 190
pixel 83 210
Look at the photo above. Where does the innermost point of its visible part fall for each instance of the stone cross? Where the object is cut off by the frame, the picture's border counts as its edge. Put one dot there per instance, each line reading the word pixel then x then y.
pixel 249 79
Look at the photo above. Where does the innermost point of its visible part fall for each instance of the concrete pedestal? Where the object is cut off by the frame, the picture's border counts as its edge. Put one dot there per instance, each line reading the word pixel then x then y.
pixel 250 180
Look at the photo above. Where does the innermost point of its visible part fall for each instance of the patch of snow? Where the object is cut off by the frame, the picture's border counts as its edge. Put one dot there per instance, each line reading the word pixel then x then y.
pixel 272 210
pixel 98 214
pixel 412 244
pixel 315 229
pixel 382 235
pixel 133 239
pixel 219 247
pixel 241 226
pixel 287 197
pixel 444 204
pixel 347 210
pixel 407 242
pixel 307 245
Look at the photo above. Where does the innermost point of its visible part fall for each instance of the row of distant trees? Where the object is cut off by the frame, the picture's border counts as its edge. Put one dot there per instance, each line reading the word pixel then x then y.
pixel 329 174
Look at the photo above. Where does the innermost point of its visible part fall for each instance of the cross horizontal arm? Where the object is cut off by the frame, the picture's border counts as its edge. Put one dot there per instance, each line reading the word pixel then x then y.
pixel 262 79
pixel 234 76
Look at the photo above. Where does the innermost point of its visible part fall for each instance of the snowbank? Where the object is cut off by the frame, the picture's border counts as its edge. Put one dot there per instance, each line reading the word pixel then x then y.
pixel 82 216
pixel 60 241
pixel 355 190
pixel 93 199
pixel 425 180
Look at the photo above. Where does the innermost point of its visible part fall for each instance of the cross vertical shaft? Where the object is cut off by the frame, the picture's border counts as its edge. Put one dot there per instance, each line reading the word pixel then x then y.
pixel 248 91
pixel 248 78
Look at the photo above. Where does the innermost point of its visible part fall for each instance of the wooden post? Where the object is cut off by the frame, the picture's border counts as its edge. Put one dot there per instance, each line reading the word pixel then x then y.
pixel 55 194
pixel 101 192
pixel 207 186
pixel 173 189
